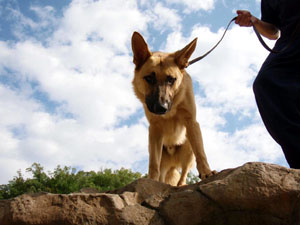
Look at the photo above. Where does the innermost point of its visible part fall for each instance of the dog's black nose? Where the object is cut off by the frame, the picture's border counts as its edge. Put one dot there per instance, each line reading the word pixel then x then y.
pixel 156 107
pixel 160 108
pixel 156 104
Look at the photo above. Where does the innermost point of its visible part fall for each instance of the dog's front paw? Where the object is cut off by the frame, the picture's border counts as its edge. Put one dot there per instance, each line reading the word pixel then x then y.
pixel 207 174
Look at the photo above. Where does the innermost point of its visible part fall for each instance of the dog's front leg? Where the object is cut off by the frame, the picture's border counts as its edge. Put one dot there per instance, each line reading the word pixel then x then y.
pixel 195 137
pixel 155 152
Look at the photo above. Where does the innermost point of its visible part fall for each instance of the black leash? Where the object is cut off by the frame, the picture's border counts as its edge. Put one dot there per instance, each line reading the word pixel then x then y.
pixel 203 56
pixel 293 38
pixel 261 40
pixel 297 30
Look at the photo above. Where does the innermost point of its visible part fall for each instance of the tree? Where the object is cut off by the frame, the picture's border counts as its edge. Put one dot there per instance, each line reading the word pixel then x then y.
pixel 66 180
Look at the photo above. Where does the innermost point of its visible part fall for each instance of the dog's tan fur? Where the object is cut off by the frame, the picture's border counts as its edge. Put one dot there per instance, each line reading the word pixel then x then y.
pixel 163 86
pixel 174 159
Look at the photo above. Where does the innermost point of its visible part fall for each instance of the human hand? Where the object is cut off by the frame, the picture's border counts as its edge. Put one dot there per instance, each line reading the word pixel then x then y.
pixel 245 19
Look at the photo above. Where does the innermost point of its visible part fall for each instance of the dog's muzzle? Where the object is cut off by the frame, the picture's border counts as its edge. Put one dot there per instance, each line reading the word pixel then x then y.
pixel 157 105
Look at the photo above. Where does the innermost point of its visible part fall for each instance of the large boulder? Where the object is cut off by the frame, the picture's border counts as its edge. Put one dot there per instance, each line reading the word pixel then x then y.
pixel 255 193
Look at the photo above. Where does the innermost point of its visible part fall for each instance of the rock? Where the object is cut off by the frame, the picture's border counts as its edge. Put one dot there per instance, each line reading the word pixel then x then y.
pixel 89 190
pixel 255 193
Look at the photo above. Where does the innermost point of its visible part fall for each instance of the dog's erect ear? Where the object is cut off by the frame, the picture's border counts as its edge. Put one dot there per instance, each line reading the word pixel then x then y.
pixel 140 49
pixel 182 56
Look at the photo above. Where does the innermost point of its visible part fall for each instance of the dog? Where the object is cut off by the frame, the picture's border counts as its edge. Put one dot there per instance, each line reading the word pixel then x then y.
pixel 166 91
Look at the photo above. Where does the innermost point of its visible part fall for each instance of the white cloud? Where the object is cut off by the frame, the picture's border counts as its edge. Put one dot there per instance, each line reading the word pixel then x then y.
pixel 109 21
pixel 250 144
pixel 91 78
pixel 42 24
pixel 163 17
pixel 30 135
pixel 192 5
pixel 86 70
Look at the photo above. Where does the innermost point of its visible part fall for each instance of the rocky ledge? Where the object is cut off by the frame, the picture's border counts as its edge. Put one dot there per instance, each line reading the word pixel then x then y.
pixel 255 193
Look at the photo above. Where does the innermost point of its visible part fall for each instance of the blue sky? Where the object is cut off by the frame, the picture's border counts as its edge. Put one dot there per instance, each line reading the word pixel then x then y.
pixel 65 82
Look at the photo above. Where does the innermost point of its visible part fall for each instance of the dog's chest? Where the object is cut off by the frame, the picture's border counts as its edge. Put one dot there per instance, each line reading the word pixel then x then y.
pixel 173 132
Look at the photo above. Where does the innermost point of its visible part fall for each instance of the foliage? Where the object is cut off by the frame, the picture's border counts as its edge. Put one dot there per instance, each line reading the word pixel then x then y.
pixel 192 178
pixel 65 180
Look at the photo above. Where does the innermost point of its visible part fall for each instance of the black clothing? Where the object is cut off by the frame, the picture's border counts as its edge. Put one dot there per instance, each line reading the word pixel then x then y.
pixel 277 85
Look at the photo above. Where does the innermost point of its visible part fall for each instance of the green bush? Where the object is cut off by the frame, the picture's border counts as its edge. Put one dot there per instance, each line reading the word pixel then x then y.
pixel 65 180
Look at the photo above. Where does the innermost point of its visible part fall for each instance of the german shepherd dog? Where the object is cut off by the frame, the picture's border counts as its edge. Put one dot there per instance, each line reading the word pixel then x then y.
pixel 166 92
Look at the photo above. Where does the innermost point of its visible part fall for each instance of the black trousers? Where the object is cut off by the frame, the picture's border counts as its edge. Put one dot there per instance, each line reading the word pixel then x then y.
pixel 277 93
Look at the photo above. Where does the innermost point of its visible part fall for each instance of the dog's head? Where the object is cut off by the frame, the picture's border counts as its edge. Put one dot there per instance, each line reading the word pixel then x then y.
pixel 158 76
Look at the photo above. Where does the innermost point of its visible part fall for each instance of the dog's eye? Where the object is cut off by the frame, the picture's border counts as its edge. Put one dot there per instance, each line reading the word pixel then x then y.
pixel 170 80
pixel 150 79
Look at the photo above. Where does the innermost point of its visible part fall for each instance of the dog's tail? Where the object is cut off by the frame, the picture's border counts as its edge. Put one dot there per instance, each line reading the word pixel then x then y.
pixel 172 176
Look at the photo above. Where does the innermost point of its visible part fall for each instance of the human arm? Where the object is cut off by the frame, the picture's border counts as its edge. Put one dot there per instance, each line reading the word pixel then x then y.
pixel 246 19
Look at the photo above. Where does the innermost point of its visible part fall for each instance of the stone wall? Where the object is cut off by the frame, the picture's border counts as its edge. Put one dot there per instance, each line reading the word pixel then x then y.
pixel 253 194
